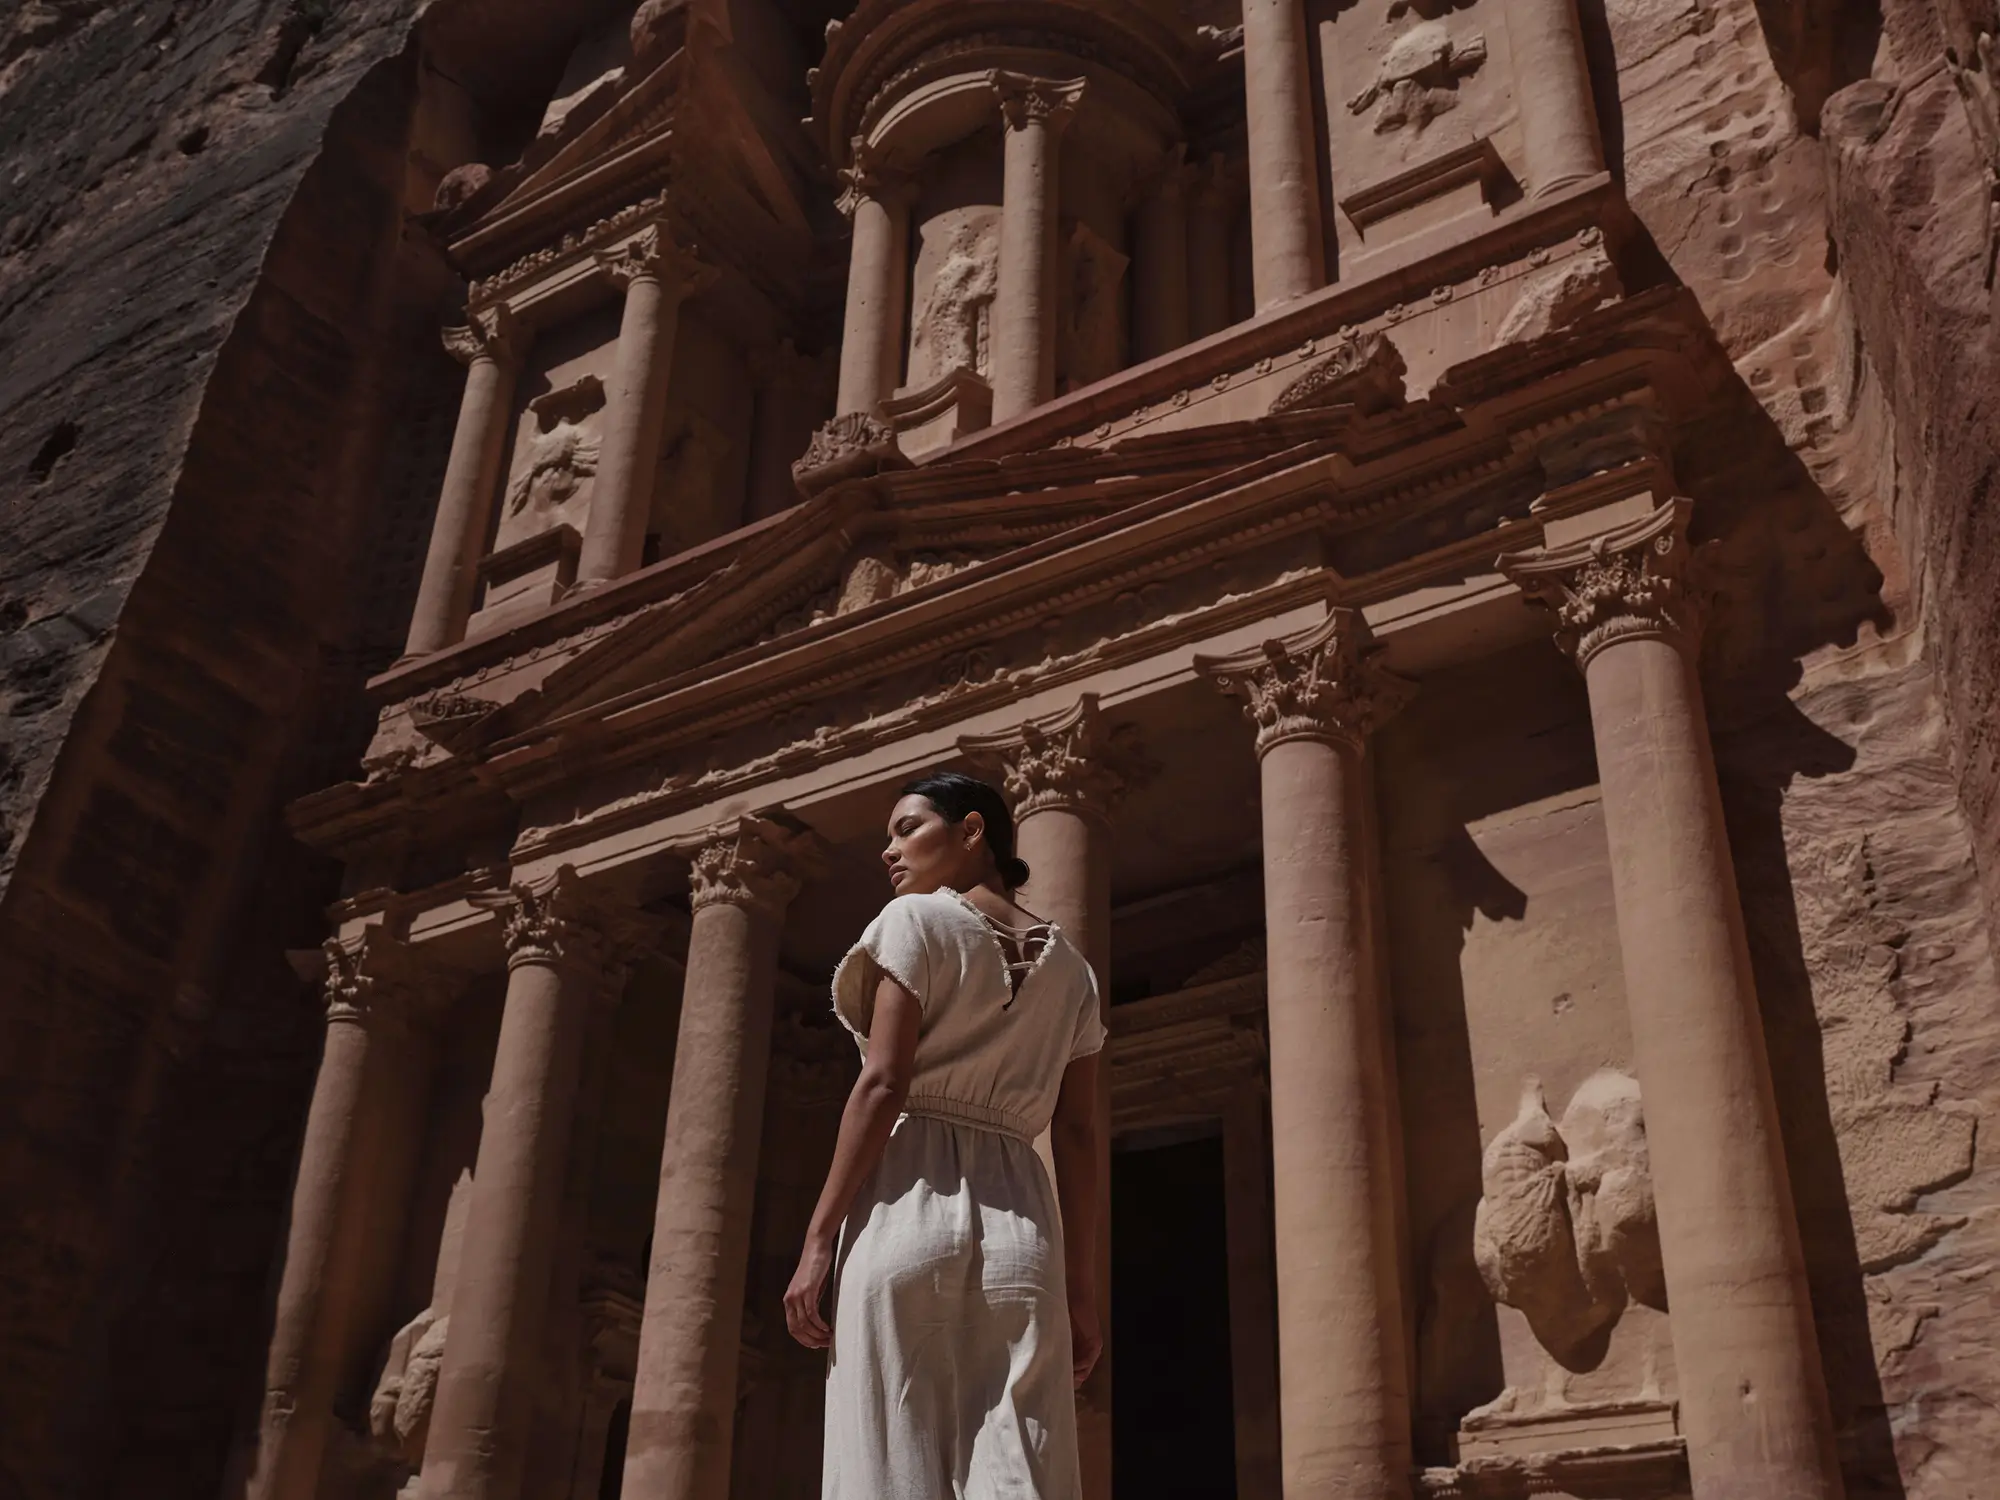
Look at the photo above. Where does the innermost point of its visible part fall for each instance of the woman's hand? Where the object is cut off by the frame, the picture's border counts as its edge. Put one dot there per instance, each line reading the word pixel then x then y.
pixel 802 1296
pixel 1086 1341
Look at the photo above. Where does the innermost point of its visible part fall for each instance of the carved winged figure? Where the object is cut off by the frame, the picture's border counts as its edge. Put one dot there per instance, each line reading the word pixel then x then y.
pixel 559 460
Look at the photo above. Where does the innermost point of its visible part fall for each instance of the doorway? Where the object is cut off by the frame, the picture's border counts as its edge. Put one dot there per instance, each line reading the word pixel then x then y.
pixel 1173 1426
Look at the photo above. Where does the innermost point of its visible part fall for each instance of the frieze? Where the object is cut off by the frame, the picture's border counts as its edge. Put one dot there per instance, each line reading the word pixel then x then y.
pixel 572 245
pixel 1184 405
pixel 862 705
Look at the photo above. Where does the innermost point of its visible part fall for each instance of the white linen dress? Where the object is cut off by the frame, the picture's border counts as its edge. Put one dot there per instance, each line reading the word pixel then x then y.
pixel 949 1376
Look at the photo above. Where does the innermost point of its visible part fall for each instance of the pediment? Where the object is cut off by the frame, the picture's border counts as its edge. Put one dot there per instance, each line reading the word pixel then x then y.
pixel 824 562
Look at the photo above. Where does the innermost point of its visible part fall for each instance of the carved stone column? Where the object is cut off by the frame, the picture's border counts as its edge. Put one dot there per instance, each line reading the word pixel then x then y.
pixel 1034 110
pixel 1208 250
pixel 490 347
pixel 1160 263
pixel 1559 135
pixel 684 1395
pixel 1752 1393
pixel 878 270
pixel 558 967
pixel 1344 1392
pixel 1253 1309
pixel 1287 257
pixel 1064 775
pixel 343 1198
pixel 656 275
pixel 789 388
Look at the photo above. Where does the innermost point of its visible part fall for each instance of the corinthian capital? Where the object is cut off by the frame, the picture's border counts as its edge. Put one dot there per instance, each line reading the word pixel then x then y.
pixel 375 980
pixel 652 255
pixel 1323 685
pixel 1633 582
pixel 494 334
pixel 867 176
pixel 554 920
pixel 755 862
pixel 1025 100
pixel 1069 760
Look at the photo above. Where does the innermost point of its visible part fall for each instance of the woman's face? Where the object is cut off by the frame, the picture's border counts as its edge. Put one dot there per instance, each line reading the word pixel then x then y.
pixel 925 852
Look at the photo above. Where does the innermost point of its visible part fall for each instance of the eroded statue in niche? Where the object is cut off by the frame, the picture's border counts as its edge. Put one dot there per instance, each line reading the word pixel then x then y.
pixel 399 1412
pixel 561 451
pixel 1565 1230
pixel 953 327
pixel 1417 79
pixel 1088 342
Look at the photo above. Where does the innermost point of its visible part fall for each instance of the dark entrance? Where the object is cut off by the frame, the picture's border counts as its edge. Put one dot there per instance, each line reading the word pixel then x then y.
pixel 1173 1421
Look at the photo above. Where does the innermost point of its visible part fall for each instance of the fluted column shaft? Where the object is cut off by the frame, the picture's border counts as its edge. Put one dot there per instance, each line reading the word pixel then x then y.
pixel 1160 264
pixel 1288 259
pixel 1064 775
pixel 1559 135
pixel 656 276
pixel 878 268
pixel 556 971
pixel 684 1392
pixel 1344 1396
pixel 342 1196
pixel 490 347
pixel 1752 1390
pixel 1035 111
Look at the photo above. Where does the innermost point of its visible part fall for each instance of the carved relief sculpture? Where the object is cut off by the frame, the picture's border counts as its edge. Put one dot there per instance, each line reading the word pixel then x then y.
pixel 1418 77
pixel 1565 1230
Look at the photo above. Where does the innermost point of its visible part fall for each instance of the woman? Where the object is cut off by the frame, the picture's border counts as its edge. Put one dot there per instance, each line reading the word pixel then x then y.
pixel 965 1308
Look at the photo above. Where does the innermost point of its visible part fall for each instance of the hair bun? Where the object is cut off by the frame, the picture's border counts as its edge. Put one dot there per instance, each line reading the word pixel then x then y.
pixel 1014 872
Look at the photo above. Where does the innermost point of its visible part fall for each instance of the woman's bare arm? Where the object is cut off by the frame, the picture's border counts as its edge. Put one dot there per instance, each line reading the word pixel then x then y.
pixel 1073 1143
pixel 872 1107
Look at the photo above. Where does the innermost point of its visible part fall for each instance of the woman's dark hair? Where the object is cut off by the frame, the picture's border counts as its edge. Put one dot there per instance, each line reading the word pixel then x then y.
pixel 955 794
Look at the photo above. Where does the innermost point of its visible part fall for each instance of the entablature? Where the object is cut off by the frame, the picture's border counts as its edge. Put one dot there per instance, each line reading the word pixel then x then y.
pixel 897 607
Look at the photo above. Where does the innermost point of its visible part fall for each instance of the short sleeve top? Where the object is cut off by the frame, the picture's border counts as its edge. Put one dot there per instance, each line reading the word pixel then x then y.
pixel 985 1054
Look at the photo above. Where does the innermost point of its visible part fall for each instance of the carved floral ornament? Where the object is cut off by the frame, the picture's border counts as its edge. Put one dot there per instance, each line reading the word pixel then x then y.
pixel 1324 685
pixel 653 255
pixel 1069 760
pixel 554 920
pixel 1636 582
pixel 1026 101
pixel 755 862
pixel 496 334
pixel 372 980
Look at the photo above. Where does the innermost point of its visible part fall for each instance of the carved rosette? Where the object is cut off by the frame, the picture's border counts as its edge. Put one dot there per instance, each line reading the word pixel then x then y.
pixel 1069 760
pixel 1635 582
pixel 550 921
pixel 652 255
pixel 495 334
pixel 1026 101
pixel 758 863
pixel 1325 685
pixel 375 981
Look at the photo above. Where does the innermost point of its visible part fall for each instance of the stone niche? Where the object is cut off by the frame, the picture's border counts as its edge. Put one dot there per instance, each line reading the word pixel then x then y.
pixel 1541 1322
pixel 550 471
pixel 1420 118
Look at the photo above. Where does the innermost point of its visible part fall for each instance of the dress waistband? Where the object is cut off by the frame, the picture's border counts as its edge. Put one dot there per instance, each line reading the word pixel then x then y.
pixel 977 1116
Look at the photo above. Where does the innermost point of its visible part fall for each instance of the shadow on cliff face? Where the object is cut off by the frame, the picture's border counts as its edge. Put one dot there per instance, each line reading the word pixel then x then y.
pixel 1789 580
